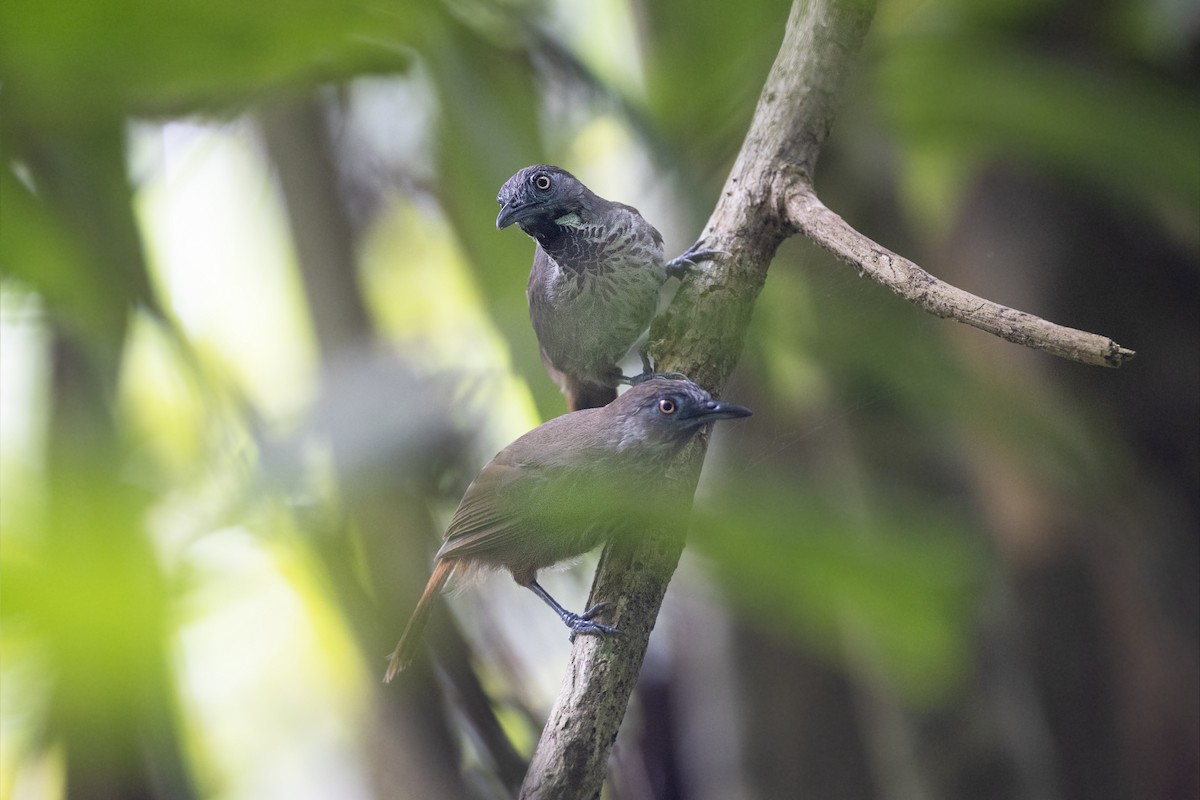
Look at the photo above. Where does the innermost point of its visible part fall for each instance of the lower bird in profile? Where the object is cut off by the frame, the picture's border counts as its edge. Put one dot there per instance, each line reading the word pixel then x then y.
pixel 565 487
pixel 598 268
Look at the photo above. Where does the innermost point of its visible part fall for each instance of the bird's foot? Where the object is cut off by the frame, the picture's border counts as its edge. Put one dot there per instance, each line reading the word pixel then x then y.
pixel 578 623
pixel 647 364
pixel 652 373
pixel 586 624
pixel 649 370
pixel 682 264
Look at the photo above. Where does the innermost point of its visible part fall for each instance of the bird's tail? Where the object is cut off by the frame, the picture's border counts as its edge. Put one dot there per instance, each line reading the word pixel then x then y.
pixel 403 654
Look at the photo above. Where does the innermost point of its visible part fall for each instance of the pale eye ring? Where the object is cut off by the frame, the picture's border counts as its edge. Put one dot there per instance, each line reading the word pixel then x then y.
pixel 667 406
pixel 542 182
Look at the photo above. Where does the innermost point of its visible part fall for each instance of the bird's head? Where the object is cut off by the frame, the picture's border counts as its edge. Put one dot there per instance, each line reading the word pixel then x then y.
pixel 539 195
pixel 668 410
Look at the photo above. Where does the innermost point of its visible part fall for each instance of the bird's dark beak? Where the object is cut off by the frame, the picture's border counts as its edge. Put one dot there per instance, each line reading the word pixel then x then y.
pixel 512 211
pixel 714 410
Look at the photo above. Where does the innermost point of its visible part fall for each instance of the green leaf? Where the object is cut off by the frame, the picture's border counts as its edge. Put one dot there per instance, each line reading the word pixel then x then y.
pixel 64 61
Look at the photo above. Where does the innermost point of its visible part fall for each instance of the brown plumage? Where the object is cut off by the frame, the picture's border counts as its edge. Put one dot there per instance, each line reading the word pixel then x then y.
pixel 565 487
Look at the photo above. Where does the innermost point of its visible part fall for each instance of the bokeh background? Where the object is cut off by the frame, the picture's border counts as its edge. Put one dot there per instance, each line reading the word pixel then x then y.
pixel 259 331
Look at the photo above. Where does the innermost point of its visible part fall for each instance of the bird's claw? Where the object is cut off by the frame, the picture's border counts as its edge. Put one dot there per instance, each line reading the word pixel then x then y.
pixel 647 364
pixel 586 624
pixel 599 608
pixel 651 373
pixel 690 258
pixel 650 370
pixel 647 369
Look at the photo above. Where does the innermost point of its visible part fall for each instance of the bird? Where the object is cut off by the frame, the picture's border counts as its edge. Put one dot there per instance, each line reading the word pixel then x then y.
pixel 598 269
pixel 563 488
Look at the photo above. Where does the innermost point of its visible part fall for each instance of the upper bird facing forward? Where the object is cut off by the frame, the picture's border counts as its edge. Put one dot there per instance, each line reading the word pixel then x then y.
pixel 597 272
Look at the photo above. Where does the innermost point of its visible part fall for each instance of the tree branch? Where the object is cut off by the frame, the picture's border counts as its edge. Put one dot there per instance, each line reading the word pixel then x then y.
pixel 914 284
pixel 767 197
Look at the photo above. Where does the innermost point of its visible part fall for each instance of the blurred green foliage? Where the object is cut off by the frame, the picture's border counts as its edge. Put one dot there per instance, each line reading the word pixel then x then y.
pixel 87 61
pixel 1125 132
pixel 808 564
pixel 856 527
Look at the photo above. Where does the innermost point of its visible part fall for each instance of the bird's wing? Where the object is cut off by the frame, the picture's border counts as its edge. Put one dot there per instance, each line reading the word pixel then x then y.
pixel 487 517
pixel 640 220
pixel 534 485
pixel 519 493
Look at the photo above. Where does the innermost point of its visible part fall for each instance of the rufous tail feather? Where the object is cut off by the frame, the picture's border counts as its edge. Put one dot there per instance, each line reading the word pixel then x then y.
pixel 402 656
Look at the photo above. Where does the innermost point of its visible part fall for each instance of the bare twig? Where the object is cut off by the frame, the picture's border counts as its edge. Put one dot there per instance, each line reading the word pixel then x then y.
pixel 912 283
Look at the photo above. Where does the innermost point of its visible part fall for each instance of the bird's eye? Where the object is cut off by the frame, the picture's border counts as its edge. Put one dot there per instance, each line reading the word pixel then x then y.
pixel 667 406
pixel 541 182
